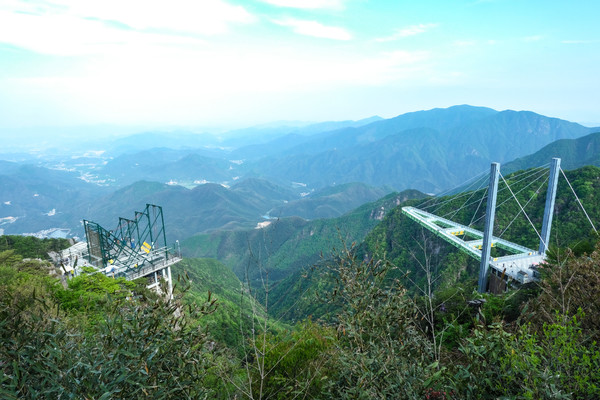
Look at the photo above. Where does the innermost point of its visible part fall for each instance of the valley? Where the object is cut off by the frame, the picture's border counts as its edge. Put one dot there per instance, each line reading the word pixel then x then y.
pixel 310 171
pixel 296 252
pixel 299 199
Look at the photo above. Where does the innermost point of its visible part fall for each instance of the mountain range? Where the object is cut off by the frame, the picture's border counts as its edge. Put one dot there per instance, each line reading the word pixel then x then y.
pixel 427 150
pixel 288 244
pixel 574 153
pixel 237 181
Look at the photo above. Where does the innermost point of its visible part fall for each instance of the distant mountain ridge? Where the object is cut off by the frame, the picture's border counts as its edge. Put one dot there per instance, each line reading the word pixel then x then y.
pixel 232 182
pixel 289 244
pixel 410 151
pixel 330 202
pixel 429 150
pixel 210 207
pixel 34 198
pixel 574 153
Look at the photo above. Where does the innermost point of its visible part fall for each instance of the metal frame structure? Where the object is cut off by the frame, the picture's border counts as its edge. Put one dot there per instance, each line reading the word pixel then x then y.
pixel 136 248
pixel 521 262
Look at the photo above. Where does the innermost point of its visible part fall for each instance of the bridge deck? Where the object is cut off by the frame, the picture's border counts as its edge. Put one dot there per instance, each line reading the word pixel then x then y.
pixel 519 265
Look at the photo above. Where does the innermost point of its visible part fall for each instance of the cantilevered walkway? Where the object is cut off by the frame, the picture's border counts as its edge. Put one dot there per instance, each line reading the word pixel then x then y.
pixel 136 248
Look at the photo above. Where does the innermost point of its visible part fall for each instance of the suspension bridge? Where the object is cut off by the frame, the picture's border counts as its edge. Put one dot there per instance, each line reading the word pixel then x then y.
pixel 517 263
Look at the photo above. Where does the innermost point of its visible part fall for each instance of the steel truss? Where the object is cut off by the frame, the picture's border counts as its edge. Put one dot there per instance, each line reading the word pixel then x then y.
pixel 136 248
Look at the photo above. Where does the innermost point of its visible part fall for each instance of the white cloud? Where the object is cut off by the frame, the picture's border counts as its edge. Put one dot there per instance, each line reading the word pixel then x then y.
pixel 400 57
pixel 316 29
pixel 307 4
pixel 408 31
pixel 205 17
pixel 173 86
pixel 67 27
pixel 146 75
pixel 67 35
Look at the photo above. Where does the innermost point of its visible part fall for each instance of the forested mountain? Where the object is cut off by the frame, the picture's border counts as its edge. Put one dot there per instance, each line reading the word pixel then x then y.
pixel 296 299
pixel 34 198
pixel 211 207
pixel 291 244
pixel 275 140
pixel 574 153
pixel 311 171
pixel 97 336
pixel 415 252
pixel 414 151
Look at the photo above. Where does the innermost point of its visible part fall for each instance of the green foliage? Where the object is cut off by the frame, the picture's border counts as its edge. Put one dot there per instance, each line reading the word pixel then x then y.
pixel 210 280
pixel 570 283
pixel 380 352
pixel 138 349
pixel 479 374
pixel 572 358
pixel 303 295
pixel 295 362
pixel 32 247
pixel 20 280
pixel 92 290
pixel 557 364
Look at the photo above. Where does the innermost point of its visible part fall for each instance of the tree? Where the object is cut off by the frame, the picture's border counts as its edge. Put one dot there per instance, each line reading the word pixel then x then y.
pixel 380 352
pixel 139 348
pixel 569 283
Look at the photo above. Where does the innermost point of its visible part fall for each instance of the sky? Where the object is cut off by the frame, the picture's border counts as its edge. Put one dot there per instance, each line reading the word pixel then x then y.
pixel 234 63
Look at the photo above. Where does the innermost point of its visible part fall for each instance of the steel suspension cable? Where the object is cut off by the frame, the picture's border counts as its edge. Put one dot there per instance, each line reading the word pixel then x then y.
pixel 519 213
pixel 579 201
pixel 466 201
pixel 524 213
pixel 444 193
pixel 478 206
pixel 540 175
pixel 539 171
pixel 526 176
pixel 450 214
pixel 530 173
pixel 454 198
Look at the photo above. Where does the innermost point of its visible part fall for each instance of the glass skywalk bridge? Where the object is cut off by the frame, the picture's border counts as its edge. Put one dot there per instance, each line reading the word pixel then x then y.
pixel 520 264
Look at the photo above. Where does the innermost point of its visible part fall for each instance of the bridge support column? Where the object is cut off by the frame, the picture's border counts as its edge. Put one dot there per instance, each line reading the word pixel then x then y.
pixel 489 227
pixel 170 294
pixel 549 209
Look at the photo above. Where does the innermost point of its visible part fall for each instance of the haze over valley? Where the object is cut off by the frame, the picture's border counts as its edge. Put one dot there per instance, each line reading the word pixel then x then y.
pixel 310 171
pixel 316 199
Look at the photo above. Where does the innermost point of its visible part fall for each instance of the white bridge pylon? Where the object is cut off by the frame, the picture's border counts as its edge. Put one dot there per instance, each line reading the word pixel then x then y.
pixel 520 263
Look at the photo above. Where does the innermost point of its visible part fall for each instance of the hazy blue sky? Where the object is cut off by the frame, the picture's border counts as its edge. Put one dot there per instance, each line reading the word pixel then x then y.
pixel 233 62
